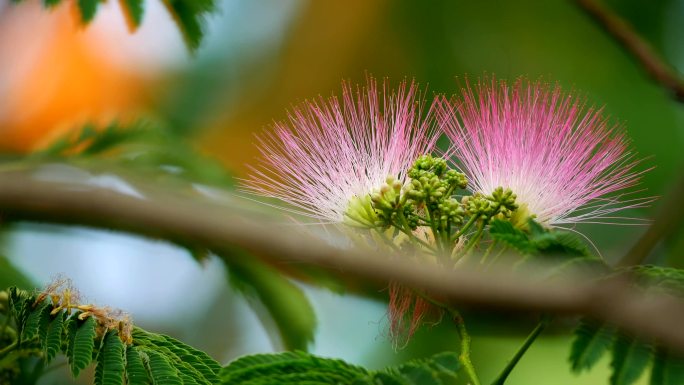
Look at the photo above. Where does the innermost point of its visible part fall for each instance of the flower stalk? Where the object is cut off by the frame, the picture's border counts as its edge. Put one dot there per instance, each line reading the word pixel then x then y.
pixel 543 323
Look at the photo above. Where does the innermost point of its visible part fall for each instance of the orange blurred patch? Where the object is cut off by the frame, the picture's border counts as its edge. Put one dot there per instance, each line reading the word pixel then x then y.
pixel 54 77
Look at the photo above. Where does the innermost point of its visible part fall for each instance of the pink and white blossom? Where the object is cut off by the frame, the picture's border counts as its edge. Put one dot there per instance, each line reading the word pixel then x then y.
pixel 566 162
pixel 330 151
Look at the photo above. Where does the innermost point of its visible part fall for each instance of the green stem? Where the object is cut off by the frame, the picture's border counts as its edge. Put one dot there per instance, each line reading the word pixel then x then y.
pixel 543 323
pixel 387 240
pixel 464 228
pixel 489 250
pixel 8 348
pixel 433 227
pixel 407 230
pixel 464 356
pixel 472 242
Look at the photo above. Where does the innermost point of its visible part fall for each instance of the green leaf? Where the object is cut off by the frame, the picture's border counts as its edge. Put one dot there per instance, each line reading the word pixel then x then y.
pixel 145 148
pixel 88 9
pixel 71 327
pixel 436 370
pixel 668 368
pixel 20 303
pixel 292 368
pixel 161 370
pixel 83 344
pixel 36 325
pixel 199 360
pixel 560 243
pixel 189 15
pixel 630 358
pixel 136 373
pixel 192 365
pixel 51 3
pixel 592 340
pixel 285 302
pixel 503 231
pixel 668 278
pixel 133 10
pixel 53 341
pixel 110 360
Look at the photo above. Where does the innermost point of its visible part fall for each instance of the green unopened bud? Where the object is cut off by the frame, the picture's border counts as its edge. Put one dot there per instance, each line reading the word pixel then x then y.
pixel 505 198
pixel 455 179
pixel 427 164
pixel 452 211
pixel 360 213
pixel 480 206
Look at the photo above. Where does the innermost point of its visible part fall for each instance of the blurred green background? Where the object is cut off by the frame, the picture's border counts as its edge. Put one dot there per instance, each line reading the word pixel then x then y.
pixel 259 58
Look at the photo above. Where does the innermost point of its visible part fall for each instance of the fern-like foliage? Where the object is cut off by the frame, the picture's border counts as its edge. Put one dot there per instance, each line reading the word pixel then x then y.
pixel 188 14
pixel 630 356
pixel 533 242
pixel 537 240
pixel 44 326
pixel 302 368
pixel 144 148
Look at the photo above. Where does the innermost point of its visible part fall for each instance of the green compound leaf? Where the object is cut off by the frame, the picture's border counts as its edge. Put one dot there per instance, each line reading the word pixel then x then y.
pixel 145 148
pixel 668 368
pixel 503 231
pixel 71 327
pixel 51 3
pixel 136 373
pixel 88 9
pixel 134 11
pixel 53 341
pixel 292 368
pixel 286 303
pixel 302 368
pixel 630 358
pixel 20 308
pixel 151 359
pixel 670 279
pixel 83 344
pixel 199 360
pixel 36 323
pixel 192 365
pixel 161 370
pixel 592 340
pixel 189 15
pixel 110 361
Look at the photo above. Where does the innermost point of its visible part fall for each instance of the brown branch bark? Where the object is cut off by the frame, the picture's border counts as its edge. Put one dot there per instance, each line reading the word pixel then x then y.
pixel 220 228
pixel 636 46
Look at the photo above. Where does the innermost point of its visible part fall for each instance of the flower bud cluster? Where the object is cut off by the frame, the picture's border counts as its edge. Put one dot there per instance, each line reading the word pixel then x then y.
pixel 432 181
pixel 500 204
pixel 428 198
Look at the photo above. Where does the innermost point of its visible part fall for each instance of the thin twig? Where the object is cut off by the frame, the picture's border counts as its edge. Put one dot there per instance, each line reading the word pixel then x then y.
pixel 668 220
pixel 636 45
pixel 672 211
pixel 220 228
pixel 501 379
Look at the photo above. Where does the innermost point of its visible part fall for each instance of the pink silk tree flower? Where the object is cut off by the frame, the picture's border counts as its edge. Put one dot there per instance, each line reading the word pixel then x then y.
pixel 565 162
pixel 332 152
pixel 327 159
